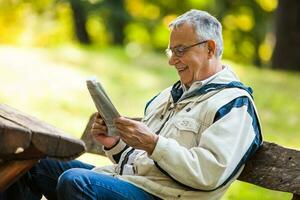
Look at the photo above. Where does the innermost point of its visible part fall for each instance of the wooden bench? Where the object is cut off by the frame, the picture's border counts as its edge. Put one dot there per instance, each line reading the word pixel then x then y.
pixel 24 140
pixel 272 166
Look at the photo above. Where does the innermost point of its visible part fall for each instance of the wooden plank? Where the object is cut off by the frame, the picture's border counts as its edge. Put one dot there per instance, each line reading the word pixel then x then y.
pixel 274 167
pixel 18 130
pixel 12 170
pixel 13 143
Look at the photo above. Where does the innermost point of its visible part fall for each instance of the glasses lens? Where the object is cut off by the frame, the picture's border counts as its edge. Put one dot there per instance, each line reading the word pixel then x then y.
pixel 179 51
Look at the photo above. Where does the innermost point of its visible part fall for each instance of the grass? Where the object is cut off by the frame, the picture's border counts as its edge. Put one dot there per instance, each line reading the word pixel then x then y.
pixel 50 84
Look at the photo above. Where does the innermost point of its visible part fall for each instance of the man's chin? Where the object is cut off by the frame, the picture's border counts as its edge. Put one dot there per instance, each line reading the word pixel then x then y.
pixel 185 83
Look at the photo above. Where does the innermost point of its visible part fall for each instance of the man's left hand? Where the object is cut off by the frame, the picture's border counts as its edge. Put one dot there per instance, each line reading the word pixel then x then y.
pixel 136 134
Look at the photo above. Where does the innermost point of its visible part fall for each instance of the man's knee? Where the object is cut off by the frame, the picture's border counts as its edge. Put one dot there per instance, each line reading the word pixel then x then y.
pixel 71 182
pixel 67 178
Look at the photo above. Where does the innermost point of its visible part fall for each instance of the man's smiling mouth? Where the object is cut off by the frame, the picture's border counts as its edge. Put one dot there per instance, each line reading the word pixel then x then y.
pixel 181 69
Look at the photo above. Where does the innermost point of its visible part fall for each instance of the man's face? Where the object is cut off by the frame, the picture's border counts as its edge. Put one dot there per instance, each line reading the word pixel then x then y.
pixel 193 64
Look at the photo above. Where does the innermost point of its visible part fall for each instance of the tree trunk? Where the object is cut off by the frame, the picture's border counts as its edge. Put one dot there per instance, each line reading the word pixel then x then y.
pixel 117 20
pixel 80 18
pixel 286 54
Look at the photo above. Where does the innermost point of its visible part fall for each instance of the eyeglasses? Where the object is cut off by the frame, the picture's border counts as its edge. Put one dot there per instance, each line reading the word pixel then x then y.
pixel 179 51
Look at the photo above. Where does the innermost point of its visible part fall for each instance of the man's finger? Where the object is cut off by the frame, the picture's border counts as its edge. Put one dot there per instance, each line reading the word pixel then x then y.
pixel 98 132
pixel 125 128
pixel 122 133
pixel 98 115
pixel 99 121
pixel 124 121
pixel 126 131
pixel 104 130
pixel 97 125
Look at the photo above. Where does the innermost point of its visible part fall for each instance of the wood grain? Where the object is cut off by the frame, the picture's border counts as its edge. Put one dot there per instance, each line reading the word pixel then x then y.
pixel 12 170
pixel 19 131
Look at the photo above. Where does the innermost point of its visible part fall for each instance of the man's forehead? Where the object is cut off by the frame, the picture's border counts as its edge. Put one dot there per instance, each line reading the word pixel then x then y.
pixel 182 35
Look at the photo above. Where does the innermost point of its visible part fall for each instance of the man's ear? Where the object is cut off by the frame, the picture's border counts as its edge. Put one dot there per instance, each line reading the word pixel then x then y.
pixel 211 48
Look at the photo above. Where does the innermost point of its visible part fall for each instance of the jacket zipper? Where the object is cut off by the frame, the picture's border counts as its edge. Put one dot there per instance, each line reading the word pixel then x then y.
pixel 125 160
pixel 163 124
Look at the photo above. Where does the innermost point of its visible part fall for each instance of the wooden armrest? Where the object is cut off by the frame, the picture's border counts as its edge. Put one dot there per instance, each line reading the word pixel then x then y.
pixel 10 171
pixel 24 140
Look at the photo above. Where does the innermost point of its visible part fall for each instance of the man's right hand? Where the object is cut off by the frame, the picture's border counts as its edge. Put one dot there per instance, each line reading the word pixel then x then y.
pixel 99 132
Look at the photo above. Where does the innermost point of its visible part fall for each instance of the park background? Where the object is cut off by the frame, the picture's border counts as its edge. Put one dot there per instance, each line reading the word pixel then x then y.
pixel 48 48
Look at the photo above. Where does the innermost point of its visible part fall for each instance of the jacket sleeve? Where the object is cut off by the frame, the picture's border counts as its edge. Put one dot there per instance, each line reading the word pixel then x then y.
pixel 223 149
pixel 114 153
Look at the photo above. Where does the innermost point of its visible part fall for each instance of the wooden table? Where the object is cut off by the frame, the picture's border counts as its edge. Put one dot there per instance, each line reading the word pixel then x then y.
pixel 24 140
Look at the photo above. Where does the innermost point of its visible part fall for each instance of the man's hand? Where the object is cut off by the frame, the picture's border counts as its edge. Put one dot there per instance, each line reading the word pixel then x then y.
pixel 136 134
pixel 99 132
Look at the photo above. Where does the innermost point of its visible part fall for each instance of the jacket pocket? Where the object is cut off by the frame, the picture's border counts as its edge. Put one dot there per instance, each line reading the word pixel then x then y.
pixel 143 164
pixel 186 130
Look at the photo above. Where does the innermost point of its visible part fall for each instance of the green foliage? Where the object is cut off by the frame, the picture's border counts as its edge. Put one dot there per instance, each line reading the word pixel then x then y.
pixel 247 25
pixel 241 190
pixel 36 23
pixel 50 84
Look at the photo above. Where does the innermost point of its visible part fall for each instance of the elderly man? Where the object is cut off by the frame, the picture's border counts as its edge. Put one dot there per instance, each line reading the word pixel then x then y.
pixel 192 142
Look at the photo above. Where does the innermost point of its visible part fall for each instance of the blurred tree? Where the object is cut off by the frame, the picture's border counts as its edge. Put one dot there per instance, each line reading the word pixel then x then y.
pixel 116 19
pixel 113 13
pixel 286 53
pixel 80 13
pixel 247 24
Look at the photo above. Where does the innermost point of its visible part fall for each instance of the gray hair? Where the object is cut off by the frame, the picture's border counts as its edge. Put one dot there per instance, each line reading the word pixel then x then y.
pixel 206 26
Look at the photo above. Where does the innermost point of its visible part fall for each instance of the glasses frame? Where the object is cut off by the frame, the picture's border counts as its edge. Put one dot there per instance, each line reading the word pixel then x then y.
pixel 179 51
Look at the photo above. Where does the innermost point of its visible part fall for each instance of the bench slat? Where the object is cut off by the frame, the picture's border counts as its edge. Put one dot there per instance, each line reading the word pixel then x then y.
pixel 19 131
pixel 12 170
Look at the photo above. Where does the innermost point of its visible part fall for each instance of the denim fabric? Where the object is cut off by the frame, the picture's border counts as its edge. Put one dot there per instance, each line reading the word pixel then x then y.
pixel 41 180
pixel 70 180
pixel 78 184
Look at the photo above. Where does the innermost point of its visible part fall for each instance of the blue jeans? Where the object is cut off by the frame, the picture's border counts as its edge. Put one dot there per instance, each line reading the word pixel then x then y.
pixel 71 180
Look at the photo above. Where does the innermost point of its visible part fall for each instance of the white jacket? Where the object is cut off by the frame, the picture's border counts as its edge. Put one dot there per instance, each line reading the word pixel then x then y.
pixel 205 137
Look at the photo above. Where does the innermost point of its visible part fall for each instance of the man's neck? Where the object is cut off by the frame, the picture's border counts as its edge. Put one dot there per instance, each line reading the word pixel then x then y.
pixel 215 66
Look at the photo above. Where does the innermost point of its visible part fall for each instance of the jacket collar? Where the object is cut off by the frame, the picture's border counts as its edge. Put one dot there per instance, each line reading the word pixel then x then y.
pixel 223 79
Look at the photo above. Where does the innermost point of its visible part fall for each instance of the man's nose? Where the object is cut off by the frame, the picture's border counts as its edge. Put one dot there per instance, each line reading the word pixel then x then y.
pixel 173 59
